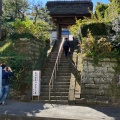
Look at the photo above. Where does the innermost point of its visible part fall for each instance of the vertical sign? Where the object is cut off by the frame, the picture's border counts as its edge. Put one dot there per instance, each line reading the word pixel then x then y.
pixel 70 38
pixel 36 83
pixel 0 80
pixel 0 15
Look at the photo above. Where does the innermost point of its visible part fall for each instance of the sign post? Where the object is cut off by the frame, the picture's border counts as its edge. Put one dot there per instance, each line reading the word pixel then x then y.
pixel 0 80
pixel 36 79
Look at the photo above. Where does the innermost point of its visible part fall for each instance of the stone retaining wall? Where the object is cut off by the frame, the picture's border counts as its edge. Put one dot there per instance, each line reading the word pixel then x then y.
pixel 95 79
pixel 31 48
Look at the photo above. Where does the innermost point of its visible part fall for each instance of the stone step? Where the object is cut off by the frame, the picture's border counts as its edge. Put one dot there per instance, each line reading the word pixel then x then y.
pixel 47 68
pixel 62 73
pixel 60 76
pixel 55 86
pixel 54 93
pixel 49 72
pixel 55 90
pixel 58 85
pixel 54 59
pixel 61 83
pixel 64 63
pixel 63 102
pixel 54 53
pixel 60 91
pixel 59 68
pixel 56 82
pixel 59 71
pixel 51 62
pixel 50 67
pixel 44 83
pixel 63 78
pixel 63 67
pixel 61 64
pixel 54 97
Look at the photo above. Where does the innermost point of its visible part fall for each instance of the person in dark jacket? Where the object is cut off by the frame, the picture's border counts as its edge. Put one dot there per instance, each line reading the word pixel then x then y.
pixel 6 73
pixel 66 46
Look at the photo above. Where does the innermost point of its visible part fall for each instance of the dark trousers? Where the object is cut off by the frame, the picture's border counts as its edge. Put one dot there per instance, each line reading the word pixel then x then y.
pixel 66 49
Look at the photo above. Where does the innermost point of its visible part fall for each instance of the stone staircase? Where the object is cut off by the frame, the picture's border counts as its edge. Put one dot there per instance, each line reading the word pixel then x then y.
pixel 60 91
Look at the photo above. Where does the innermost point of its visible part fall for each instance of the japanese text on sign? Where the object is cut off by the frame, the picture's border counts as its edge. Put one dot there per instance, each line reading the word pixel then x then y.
pixel 36 83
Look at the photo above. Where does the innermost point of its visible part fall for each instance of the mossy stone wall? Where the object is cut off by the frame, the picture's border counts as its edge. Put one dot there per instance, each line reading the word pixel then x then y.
pixel 95 79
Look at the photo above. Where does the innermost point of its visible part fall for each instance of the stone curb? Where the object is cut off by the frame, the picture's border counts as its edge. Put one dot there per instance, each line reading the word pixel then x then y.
pixel 17 117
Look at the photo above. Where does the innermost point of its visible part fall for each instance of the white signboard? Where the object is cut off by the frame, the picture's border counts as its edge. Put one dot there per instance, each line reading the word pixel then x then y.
pixel 0 80
pixel 70 38
pixel 36 83
pixel 53 35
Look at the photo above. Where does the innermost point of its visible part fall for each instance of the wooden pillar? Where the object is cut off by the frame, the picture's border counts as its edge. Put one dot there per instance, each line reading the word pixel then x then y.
pixel 59 30
pixel 0 15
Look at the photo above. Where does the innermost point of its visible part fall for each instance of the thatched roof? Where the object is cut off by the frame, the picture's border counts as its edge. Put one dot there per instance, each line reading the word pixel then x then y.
pixel 60 8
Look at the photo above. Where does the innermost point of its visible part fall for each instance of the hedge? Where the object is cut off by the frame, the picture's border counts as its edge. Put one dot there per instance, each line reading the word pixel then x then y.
pixel 96 29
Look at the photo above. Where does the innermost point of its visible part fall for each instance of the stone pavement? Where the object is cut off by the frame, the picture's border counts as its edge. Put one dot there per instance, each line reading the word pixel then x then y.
pixel 34 110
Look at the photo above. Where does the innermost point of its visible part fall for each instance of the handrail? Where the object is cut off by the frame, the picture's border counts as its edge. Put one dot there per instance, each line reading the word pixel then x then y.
pixel 55 69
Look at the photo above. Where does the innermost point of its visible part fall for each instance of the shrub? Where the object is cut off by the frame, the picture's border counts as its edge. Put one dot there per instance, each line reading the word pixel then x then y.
pixel 96 29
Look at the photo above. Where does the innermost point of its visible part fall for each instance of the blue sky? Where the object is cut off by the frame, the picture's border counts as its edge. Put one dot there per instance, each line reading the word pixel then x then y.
pixel 94 1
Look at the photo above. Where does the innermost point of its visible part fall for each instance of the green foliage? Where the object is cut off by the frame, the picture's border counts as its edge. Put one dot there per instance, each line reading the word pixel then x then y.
pixel 16 36
pixel 16 25
pixel 21 66
pixel 23 26
pixel 96 29
pixel 76 29
pixel 19 62
pixel 38 30
pixel 21 71
pixel 7 28
pixel 114 90
pixel 2 43
pixel 40 64
pixel 100 24
pixel 40 13
pixel 114 87
pixel 44 30
pixel 94 21
pixel 14 9
pixel 18 65
pixel 113 10
pixel 96 49
pixel 44 15
pixel 100 10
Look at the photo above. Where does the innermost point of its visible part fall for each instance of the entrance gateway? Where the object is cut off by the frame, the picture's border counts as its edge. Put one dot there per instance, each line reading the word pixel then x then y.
pixel 64 13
